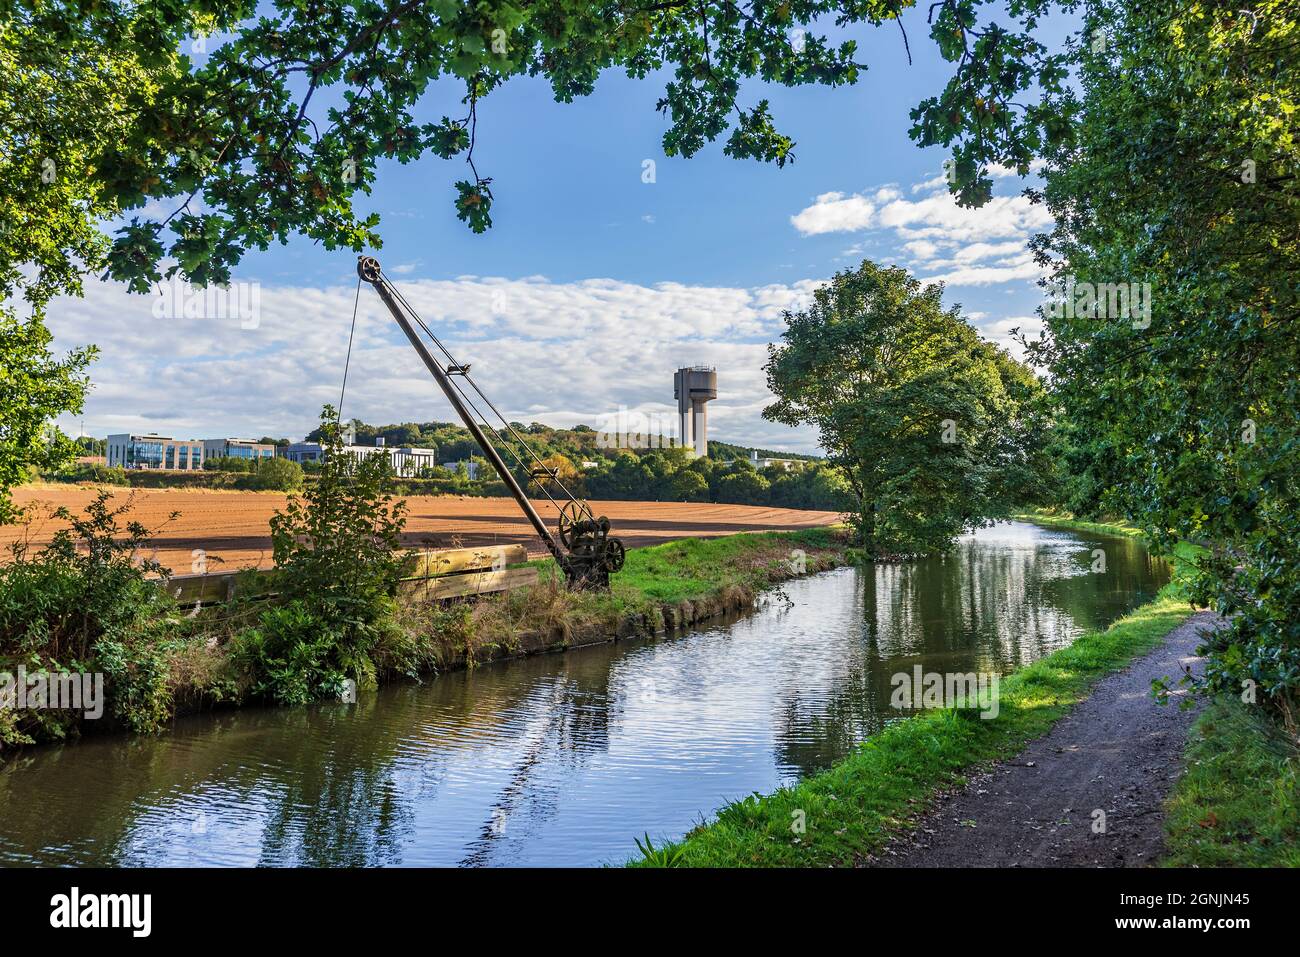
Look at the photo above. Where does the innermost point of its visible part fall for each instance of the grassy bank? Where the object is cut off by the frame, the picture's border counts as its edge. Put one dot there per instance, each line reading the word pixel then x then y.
pixel 851 811
pixel 174 662
pixel 1054 519
pixel 1238 802
pixel 661 588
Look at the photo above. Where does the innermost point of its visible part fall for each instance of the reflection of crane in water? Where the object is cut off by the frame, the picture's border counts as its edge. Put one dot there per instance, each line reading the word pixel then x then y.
pixel 569 726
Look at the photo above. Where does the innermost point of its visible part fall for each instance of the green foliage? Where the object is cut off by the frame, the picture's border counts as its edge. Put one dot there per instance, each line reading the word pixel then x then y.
pixel 276 475
pixel 291 655
pixel 230 463
pixel 936 430
pixel 84 604
pixel 1235 805
pixel 689 486
pixel 34 388
pixel 743 487
pixel 1183 176
pixel 652 856
pixel 1003 103
pixel 338 558
pixel 93 472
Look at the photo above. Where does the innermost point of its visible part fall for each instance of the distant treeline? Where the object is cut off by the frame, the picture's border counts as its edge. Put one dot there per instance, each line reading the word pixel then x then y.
pixel 585 468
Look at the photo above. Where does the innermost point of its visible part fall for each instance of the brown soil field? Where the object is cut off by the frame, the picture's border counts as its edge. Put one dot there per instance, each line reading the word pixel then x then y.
pixel 232 528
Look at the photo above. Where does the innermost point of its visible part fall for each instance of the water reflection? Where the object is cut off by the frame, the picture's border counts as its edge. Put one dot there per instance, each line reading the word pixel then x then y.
pixel 563 759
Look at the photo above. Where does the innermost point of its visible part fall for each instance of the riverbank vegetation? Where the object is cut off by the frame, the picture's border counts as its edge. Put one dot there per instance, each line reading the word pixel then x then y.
pixel 847 814
pixel 1238 801
pixel 86 603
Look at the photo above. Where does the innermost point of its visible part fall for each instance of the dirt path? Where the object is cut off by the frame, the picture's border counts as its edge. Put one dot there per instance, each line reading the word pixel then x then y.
pixel 1118 751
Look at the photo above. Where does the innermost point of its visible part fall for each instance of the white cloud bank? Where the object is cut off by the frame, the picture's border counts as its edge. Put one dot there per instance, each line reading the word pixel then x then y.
pixel 942 242
pixel 562 353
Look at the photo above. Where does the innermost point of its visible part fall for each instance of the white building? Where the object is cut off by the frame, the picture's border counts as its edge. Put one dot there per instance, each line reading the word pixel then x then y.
pixel 784 464
pixel 406 460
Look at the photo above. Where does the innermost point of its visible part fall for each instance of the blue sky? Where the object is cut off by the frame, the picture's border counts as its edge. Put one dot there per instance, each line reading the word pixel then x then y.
pixel 592 285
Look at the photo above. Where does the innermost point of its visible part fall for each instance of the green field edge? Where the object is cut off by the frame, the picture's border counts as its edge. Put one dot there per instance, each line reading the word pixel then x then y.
pixel 848 813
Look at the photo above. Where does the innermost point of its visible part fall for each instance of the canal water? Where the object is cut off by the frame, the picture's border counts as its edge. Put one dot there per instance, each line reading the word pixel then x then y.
pixel 565 759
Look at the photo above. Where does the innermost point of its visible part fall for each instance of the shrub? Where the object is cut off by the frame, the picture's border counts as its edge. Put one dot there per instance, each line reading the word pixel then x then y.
pixel 93 472
pixel 290 655
pixel 276 475
pixel 228 463
pixel 338 557
pixel 84 604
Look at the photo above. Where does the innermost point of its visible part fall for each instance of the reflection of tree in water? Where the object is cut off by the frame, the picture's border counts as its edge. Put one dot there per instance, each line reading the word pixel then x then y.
pixel 982 607
pixel 341 806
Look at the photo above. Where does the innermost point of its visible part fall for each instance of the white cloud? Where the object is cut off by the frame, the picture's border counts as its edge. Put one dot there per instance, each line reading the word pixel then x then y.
pixel 582 349
pixel 939 216
pixel 1006 270
pixel 1002 330
pixel 961 247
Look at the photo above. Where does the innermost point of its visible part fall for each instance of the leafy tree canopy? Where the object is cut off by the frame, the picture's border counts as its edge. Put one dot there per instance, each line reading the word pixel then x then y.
pixel 1182 193
pixel 936 430
pixel 283 120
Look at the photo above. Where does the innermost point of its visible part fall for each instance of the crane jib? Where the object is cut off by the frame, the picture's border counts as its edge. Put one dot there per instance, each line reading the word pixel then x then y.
pixel 584 551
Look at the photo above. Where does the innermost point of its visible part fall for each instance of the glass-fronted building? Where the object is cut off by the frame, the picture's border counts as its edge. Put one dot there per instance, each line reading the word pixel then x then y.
pixel 237 449
pixel 130 451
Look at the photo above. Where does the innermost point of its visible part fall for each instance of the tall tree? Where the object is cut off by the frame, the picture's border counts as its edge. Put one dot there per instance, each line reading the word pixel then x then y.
pixel 1182 189
pixel 935 428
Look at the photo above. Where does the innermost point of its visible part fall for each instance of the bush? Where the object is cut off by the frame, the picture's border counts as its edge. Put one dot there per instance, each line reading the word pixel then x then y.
pixel 84 604
pixel 290 655
pixel 276 475
pixel 338 558
pixel 228 463
pixel 93 472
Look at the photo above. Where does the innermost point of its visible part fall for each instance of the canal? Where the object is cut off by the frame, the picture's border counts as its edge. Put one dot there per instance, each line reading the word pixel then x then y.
pixel 565 759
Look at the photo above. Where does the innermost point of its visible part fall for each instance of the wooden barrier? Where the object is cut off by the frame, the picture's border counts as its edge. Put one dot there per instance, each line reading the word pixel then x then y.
pixel 430 574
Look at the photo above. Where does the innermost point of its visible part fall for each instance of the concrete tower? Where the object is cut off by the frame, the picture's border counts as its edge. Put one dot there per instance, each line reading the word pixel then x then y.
pixel 692 388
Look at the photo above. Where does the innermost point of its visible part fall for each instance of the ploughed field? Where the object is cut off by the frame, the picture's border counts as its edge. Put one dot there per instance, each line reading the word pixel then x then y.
pixel 233 530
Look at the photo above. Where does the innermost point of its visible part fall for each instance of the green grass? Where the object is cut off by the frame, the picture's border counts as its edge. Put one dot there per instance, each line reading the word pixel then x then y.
pixel 1238 803
pixel 693 568
pixel 851 810
pixel 1054 519
pixel 697 567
